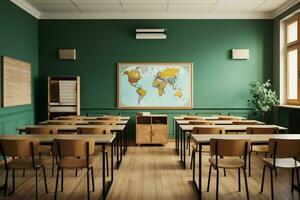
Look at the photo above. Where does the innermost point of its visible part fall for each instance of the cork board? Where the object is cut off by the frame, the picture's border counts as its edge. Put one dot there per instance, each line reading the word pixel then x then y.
pixel 16 85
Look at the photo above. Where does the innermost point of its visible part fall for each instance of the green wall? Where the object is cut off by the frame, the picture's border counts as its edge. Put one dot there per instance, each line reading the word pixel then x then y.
pixel 18 39
pixel 220 84
pixel 281 115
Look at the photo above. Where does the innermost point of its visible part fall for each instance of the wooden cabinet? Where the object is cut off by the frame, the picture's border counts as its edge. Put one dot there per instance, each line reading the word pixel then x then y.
pixel 63 96
pixel 152 129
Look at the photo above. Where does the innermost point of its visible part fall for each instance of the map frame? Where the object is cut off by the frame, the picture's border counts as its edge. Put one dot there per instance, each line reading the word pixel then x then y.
pixel 156 64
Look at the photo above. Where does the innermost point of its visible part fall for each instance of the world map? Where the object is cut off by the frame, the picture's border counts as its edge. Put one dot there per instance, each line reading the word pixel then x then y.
pixel 157 86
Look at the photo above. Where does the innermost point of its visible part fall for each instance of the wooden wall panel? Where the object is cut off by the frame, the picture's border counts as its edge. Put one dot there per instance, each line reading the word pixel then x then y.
pixel 16 82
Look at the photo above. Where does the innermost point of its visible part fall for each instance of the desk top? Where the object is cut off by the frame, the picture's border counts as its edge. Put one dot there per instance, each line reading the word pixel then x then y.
pixel 255 138
pixel 96 117
pixel 230 127
pixel 216 122
pixel 74 127
pixel 99 138
pixel 213 117
pixel 82 122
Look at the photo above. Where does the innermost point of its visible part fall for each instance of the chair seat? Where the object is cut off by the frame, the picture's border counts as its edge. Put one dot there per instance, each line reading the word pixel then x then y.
pixel 282 162
pixel 22 163
pixel 260 148
pixel 73 163
pixel 227 162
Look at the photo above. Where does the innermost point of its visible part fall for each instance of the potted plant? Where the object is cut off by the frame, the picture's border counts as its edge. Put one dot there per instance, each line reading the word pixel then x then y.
pixel 262 98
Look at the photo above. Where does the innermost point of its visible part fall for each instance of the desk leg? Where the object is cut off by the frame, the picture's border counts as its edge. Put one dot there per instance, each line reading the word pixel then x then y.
pixel 117 141
pixel 180 132
pixel 103 172
pixel 200 171
pixel 126 138
pixel 121 145
pixel 184 150
pixel 176 138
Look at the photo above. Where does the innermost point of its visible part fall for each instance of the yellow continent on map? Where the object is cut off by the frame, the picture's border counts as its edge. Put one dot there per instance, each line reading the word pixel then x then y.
pixel 178 93
pixel 160 85
pixel 133 76
pixel 169 73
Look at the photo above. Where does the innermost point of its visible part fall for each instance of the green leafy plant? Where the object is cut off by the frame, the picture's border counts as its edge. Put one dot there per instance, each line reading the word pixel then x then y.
pixel 262 98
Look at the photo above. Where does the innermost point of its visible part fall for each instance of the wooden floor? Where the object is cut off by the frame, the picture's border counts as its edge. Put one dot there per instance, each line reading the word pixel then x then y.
pixel 153 172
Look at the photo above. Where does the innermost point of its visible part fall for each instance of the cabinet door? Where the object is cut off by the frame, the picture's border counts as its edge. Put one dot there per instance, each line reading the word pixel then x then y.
pixel 159 134
pixel 143 134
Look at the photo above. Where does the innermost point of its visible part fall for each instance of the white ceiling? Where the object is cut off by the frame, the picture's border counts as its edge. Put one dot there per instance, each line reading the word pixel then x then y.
pixel 157 9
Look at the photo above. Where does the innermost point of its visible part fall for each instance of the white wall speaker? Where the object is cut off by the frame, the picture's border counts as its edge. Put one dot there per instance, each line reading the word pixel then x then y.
pixel 240 54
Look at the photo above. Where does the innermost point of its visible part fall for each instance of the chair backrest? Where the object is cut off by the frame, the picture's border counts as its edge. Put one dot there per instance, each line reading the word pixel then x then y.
pixel 208 130
pixel 245 122
pixel 74 147
pixel 67 122
pixel 102 122
pixel 288 148
pixel 19 147
pixel 88 130
pixel 203 122
pixel 230 147
pixel 41 130
pixel 192 118
pixel 262 130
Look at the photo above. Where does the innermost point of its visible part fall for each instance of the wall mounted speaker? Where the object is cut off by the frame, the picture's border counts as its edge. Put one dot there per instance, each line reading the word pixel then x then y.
pixel 240 54
pixel 67 54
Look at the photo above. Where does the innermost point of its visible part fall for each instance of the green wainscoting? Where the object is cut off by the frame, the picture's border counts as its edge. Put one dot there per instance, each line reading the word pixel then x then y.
pixel 18 39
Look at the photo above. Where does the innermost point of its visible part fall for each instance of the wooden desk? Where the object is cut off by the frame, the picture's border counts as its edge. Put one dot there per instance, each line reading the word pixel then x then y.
pixel 81 122
pixel 95 117
pixel 118 129
pixel 177 119
pixel 255 139
pixel 184 129
pixel 100 139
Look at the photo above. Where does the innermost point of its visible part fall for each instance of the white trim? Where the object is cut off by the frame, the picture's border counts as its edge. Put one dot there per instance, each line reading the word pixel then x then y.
pixel 284 8
pixel 27 7
pixel 157 15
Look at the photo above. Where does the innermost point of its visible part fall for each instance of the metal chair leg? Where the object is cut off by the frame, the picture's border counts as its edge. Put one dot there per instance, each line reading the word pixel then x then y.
pixel 88 183
pixel 263 179
pixel 224 170
pixel 192 157
pixel 249 164
pixel 292 182
pixel 217 185
pixel 23 172
pixel 36 185
pixel 76 172
pixel 62 180
pixel 53 160
pixel 56 184
pixel 272 187
pixel 246 183
pixel 93 182
pixel 45 179
pixel 13 180
pixel 208 181
pixel 107 169
pixel 239 179
pixel 6 181
pixel 298 181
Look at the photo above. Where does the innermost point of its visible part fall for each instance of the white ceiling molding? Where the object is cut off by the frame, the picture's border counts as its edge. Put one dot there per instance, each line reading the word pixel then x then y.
pixel 27 7
pixel 284 8
pixel 157 15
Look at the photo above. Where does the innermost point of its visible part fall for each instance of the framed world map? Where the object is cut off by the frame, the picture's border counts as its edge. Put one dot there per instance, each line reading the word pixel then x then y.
pixel 154 85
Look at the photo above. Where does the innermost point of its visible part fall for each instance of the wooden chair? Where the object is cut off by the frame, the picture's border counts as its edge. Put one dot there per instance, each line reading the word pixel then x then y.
pixel 86 130
pixel 196 122
pixel 43 148
pixel 25 152
pixel 283 155
pixel 260 148
pixel 73 154
pixel 204 130
pixel 231 151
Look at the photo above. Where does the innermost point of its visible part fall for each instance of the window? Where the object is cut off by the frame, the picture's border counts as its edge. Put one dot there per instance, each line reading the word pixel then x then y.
pixel 292 60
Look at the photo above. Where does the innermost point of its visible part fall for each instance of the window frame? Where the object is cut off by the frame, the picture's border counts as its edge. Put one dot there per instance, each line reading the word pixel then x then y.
pixel 289 47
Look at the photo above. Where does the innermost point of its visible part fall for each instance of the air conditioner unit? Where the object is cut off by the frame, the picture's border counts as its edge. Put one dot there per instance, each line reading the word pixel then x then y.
pixel 151 34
